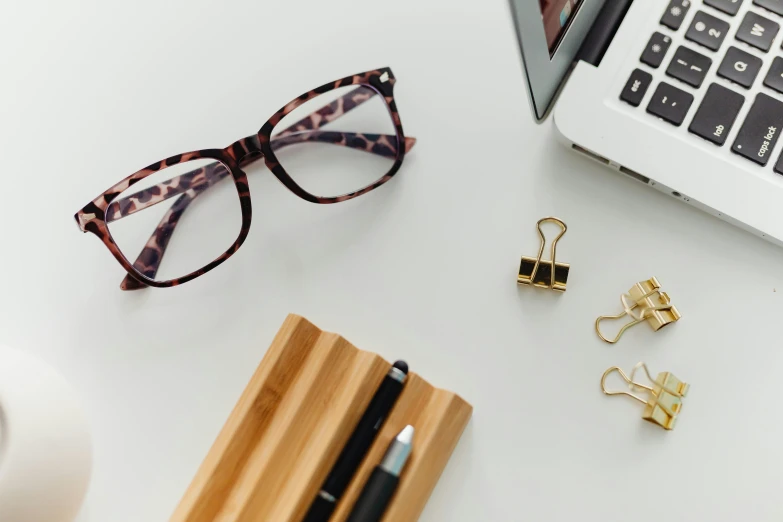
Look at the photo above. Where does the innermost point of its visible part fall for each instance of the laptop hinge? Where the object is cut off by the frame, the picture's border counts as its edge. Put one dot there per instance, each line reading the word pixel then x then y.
pixel 601 34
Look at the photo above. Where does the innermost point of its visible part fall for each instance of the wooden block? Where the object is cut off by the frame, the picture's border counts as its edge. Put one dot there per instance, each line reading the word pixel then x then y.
pixel 292 421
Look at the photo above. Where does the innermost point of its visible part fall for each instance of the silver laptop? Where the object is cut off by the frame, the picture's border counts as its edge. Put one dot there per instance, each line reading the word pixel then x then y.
pixel 685 96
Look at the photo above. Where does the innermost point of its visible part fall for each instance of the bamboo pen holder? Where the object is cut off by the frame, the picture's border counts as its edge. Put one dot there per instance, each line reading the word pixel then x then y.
pixel 292 421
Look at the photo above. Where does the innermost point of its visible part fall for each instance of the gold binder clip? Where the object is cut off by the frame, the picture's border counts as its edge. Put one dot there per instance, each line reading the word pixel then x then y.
pixel 666 393
pixel 643 302
pixel 545 274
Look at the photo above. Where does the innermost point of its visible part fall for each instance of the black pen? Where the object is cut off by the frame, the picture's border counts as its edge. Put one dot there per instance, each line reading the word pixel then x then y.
pixel 358 444
pixel 380 487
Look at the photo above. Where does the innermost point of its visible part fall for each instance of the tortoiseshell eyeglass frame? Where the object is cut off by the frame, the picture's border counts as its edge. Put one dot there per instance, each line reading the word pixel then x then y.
pixel 96 215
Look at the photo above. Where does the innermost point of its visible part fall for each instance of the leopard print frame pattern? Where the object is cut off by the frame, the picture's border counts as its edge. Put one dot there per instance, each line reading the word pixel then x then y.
pixel 96 215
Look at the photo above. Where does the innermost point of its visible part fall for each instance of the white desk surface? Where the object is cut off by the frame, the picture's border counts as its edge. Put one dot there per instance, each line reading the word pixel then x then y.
pixel 422 269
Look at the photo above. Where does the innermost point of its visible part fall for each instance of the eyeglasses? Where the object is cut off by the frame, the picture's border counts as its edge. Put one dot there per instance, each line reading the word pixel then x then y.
pixel 339 141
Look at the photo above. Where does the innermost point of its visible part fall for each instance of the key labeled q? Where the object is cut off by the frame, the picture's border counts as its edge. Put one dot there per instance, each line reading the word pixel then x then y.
pixel 741 66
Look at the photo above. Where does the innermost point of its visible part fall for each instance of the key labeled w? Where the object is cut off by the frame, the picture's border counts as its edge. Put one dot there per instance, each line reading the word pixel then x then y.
pixel 758 30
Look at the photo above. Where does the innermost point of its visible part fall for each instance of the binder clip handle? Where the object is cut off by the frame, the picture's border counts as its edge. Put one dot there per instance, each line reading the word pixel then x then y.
pixel 543 244
pixel 629 308
pixel 631 383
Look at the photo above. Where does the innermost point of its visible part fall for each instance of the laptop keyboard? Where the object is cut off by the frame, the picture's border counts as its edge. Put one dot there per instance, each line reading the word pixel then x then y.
pixel 736 55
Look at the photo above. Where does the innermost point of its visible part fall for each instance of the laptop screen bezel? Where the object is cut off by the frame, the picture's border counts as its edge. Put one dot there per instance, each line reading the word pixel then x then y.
pixel 546 73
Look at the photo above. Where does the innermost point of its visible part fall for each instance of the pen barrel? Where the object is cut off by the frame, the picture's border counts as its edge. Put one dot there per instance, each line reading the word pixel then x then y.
pixel 320 510
pixel 362 437
pixel 375 497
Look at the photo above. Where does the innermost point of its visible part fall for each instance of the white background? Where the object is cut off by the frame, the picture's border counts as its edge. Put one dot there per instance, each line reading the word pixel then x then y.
pixel 422 269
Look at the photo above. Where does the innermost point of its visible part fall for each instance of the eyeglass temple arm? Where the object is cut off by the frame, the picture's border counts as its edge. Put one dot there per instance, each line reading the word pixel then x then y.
pixel 152 254
pixel 332 111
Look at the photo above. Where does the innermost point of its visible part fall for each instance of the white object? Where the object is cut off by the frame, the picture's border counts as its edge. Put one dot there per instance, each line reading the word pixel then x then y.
pixel 590 114
pixel 45 449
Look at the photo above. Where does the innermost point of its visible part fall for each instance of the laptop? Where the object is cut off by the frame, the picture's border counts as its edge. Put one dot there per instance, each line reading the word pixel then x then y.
pixel 685 96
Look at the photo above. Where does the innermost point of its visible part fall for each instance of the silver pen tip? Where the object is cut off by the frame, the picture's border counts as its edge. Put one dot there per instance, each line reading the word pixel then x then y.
pixel 406 435
pixel 398 452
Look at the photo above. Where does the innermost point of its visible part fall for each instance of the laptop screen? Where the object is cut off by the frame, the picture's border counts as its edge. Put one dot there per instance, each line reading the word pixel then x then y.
pixel 550 34
pixel 557 14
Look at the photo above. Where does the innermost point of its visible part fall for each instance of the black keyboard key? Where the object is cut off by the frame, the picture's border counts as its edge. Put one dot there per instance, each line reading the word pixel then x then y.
pixel 761 130
pixel 776 6
pixel 689 66
pixel 675 13
pixel 656 49
pixel 779 165
pixel 740 67
pixel 670 103
pixel 727 6
pixel 774 79
pixel 757 31
pixel 636 87
pixel 717 114
pixel 707 30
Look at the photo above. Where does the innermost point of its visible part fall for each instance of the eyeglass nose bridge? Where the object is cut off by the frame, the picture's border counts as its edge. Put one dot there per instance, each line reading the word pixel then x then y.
pixel 245 151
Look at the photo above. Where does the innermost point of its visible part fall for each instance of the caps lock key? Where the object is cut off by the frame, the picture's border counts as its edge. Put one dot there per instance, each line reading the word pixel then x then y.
pixel 761 130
